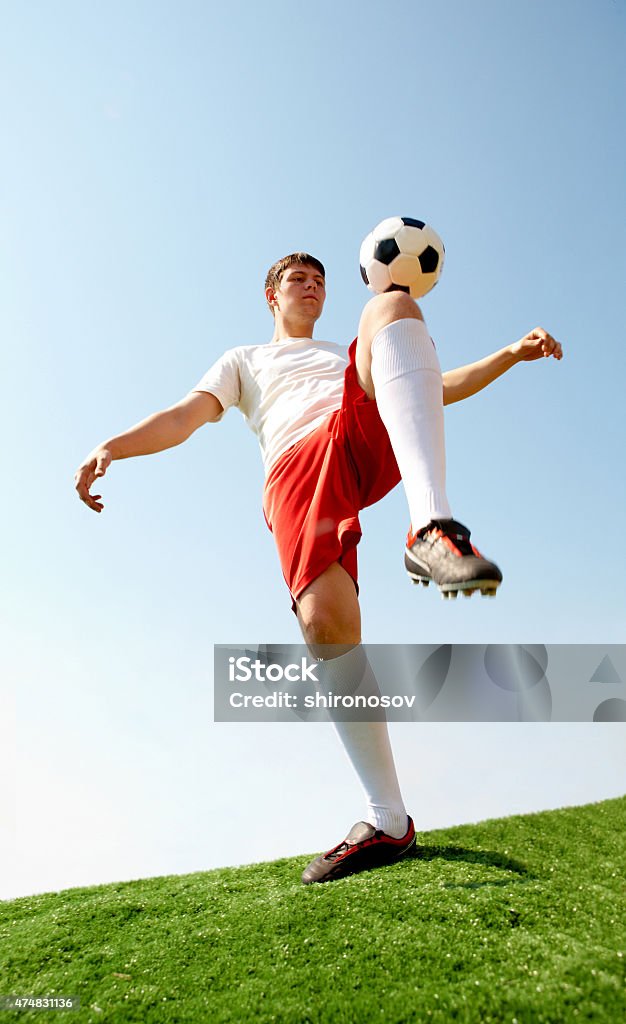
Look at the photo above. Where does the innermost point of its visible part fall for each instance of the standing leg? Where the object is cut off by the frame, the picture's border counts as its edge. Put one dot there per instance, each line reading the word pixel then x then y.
pixel 329 614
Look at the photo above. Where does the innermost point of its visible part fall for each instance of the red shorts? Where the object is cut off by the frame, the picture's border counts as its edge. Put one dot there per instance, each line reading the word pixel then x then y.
pixel 315 490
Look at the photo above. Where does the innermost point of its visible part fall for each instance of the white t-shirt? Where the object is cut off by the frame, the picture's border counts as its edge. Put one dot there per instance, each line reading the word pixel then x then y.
pixel 284 389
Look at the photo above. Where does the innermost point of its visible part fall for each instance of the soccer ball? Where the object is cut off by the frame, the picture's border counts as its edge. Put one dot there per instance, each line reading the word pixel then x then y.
pixel 404 252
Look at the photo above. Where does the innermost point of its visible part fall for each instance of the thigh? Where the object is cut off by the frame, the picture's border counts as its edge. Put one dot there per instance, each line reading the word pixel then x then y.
pixel 366 438
pixel 311 504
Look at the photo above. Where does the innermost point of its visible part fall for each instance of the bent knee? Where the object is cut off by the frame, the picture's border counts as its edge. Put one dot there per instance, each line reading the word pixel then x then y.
pixel 390 306
pixel 385 309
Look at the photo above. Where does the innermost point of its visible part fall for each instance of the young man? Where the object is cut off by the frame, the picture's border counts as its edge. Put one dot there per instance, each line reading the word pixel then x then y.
pixel 338 429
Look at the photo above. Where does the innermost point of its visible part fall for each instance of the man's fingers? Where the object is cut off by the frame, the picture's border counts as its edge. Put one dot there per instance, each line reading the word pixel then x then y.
pixel 84 477
pixel 541 334
pixel 538 343
pixel 551 347
pixel 81 487
pixel 93 502
pixel 83 483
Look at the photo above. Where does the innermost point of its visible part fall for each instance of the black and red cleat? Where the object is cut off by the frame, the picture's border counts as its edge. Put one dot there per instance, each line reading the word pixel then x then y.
pixel 363 848
pixel 442 552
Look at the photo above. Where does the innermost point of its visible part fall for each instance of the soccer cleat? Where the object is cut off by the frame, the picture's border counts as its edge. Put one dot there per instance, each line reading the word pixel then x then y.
pixel 442 552
pixel 364 847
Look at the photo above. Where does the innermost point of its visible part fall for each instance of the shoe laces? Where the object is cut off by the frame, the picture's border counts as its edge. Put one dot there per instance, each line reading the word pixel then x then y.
pixel 451 530
pixel 337 851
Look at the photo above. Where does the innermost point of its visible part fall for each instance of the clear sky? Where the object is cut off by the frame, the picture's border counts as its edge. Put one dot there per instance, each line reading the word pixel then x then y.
pixel 157 158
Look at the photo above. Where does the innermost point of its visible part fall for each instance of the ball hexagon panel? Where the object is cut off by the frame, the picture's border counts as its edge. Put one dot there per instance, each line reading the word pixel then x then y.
pixel 404 270
pixel 425 284
pixel 378 276
pixel 367 249
pixel 412 240
pixel 433 238
pixel 387 228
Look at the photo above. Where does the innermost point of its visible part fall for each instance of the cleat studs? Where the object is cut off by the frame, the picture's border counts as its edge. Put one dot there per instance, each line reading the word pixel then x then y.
pixel 468 593
pixel 453 594
pixel 425 583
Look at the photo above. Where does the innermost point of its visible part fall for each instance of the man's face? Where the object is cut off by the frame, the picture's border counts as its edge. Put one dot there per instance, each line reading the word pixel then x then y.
pixel 301 293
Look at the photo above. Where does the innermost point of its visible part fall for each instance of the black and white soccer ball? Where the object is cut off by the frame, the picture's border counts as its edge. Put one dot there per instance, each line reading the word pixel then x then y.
pixel 402 252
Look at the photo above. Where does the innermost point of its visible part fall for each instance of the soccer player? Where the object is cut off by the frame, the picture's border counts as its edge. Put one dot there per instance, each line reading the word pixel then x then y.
pixel 338 429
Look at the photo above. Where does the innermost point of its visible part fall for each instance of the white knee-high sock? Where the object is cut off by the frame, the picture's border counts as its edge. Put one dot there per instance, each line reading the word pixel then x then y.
pixel 366 743
pixel 409 394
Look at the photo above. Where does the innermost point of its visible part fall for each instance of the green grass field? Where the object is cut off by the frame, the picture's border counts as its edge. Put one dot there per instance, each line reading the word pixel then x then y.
pixel 516 920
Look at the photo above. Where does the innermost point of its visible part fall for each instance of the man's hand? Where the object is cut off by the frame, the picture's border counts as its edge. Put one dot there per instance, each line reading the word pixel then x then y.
pixel 95 465
pixel 162 430
pixel 536 345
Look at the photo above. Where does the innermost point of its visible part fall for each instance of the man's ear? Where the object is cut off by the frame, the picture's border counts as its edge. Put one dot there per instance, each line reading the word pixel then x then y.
pixel 270 295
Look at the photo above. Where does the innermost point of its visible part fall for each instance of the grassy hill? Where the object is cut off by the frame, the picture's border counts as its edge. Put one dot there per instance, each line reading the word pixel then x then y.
pixel 516 920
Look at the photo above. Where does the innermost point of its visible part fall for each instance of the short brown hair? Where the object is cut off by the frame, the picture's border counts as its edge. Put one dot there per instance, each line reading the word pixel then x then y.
pixel 300 259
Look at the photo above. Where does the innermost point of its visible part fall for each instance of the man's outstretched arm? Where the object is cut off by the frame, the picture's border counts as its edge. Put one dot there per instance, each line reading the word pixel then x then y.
pixel 468 380
pixel 156 433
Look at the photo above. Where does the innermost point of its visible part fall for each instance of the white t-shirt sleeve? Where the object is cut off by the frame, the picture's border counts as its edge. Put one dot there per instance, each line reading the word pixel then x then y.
pixel 223 380
pixel 283 389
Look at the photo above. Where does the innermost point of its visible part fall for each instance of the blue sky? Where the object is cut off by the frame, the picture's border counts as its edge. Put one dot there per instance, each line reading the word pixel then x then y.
pixel 157 159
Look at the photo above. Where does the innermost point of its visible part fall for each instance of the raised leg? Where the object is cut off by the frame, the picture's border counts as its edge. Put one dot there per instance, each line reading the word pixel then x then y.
pixel 398 366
